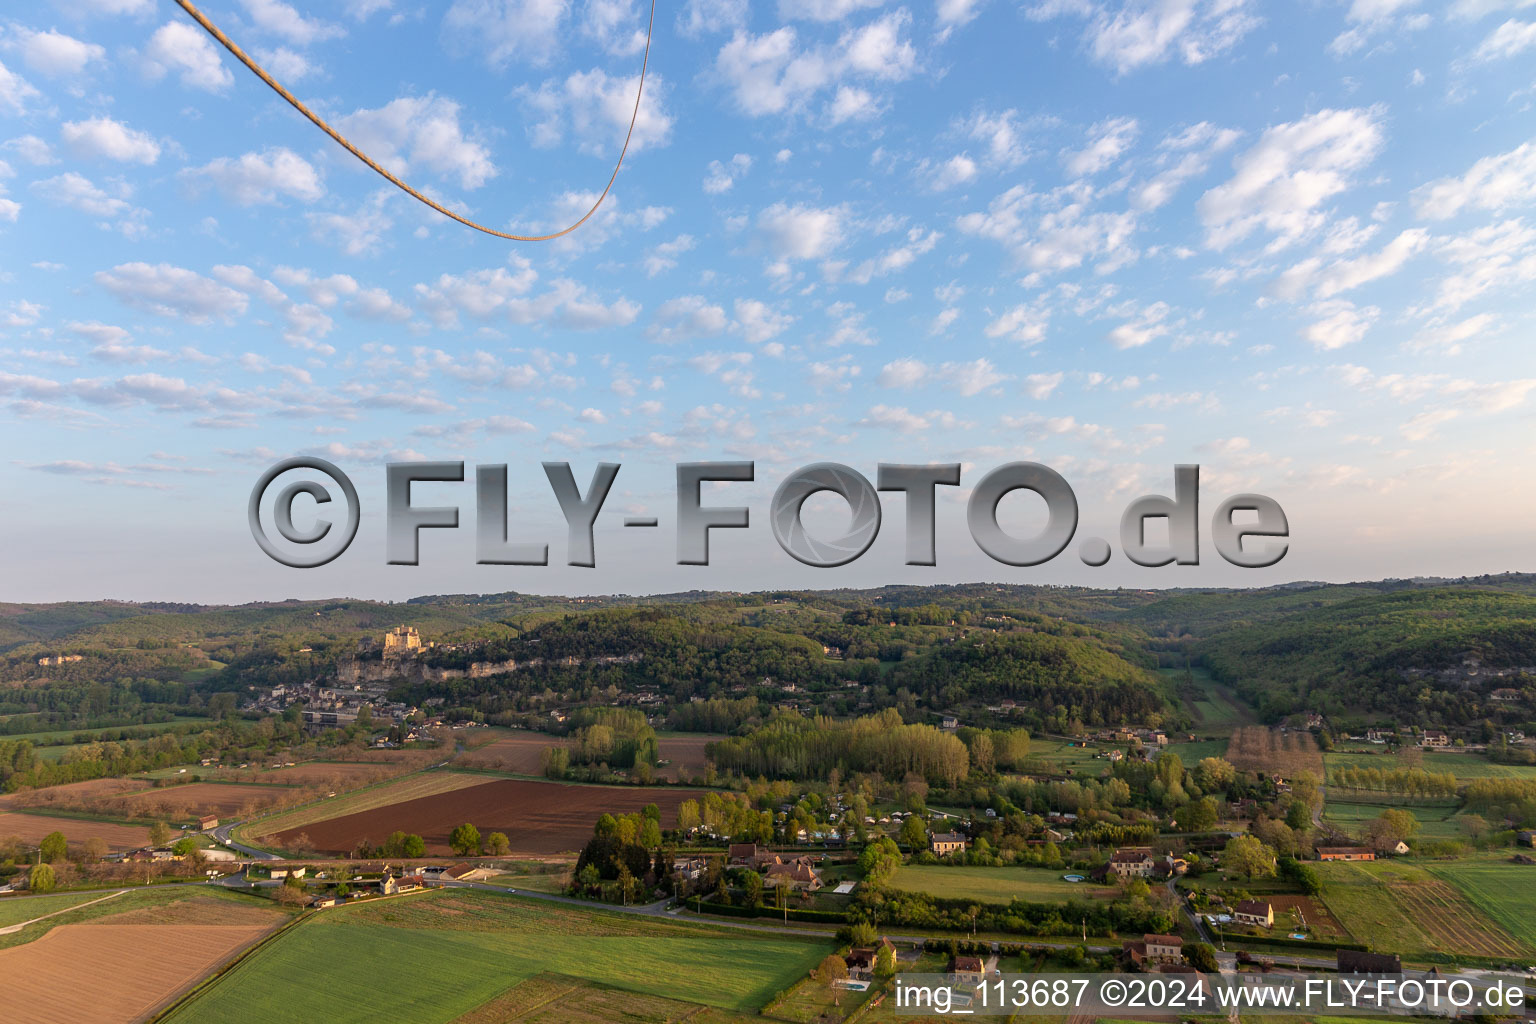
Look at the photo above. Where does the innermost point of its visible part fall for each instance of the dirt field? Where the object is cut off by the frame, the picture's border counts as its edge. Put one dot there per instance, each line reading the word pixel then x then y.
pixel 686 752
pixel 338 774
pixel 1257 749
pixel 521 753
pixel 175 803
pixel 69 792
pixel 538 817
pixel 30 828
pixel 113 971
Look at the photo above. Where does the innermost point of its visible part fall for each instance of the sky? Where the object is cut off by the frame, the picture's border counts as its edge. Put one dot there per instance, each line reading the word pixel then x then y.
pixel 1293 243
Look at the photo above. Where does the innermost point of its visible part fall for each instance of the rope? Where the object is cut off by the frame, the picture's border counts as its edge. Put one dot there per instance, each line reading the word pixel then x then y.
pixel 320 123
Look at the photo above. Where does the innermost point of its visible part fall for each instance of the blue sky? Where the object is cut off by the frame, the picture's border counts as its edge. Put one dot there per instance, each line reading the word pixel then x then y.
pixel 1293 243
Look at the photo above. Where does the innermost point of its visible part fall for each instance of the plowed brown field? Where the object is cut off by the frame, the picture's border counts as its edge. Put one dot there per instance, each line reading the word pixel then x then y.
pixel 196 798
pixel 29 828
pixel 538 817
pixel 110 973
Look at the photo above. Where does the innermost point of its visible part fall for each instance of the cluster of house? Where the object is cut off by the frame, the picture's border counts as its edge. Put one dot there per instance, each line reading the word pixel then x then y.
pixel 1140 862
pixel 794 873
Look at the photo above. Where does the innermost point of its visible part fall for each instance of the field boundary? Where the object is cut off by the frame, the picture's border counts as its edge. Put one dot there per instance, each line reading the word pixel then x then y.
pixel 207 982
pixel 14 928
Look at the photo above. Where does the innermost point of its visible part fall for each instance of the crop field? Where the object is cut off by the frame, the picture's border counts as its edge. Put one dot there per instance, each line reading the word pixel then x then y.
pixel 1463 766
pixel 70 792
pixel 1394 905
pixel 411 787
pixel 189 800
pixel 473 950
pixel 559 999
pixel 1499 888
pixel 15 909
pixel 686 752
pixel 336 774
pixel 519 751
pixel 995 885
pixel 121 967
pixel 539 817
pixel 30 828
pixel 1216 710
pixel 1058 758
pixel 1257 749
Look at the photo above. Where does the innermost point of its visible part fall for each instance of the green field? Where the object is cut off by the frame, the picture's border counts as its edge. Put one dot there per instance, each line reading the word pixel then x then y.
pixel 430 958
pixel 1398 906
pixel 1216 710
pixel 15 909
pixel 1463 766
pixel 1435 822
pixel 991 885
pixel 1504 891
pixel 1057 757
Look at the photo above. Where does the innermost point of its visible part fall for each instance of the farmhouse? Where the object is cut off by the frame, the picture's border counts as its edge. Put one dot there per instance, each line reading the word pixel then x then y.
pixel 742 854
pixel 1434 738
pixel 1526 838
pixel 795 875
pixel 943 843
pixel 1345 853
pixel 1399 848
pixel 1153 949
pixel 1505 693
pixel 1132 862
pixel 1254 912
pixel 208 821
pixel 966 970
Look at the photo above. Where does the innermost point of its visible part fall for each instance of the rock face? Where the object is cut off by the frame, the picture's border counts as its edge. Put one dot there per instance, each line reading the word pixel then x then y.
pixel 370 670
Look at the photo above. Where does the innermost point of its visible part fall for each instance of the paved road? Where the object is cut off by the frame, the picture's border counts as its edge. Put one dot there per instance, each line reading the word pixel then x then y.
pixel 222 835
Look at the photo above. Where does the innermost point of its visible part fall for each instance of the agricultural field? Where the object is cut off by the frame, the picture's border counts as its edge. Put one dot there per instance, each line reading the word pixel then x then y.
pixel 1059 757
pixel 481 947
pixel 70 793
pixel 1395 905
pixel 15 909
pixel 192 799
pixel 1294 910
pixel 1216 711
pixel 559 999
pixel 686 752
pixel 30 828
pixel 539 817
pixel 411 787
pixel 1436 821
pixel 1257 749
pixel 141 953
pixel 1499 888
pixel 1463 766
pixel 995 885
pixel 518 751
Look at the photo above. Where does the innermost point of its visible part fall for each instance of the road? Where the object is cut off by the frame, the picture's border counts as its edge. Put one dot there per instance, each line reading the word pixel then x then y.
pixel 222 835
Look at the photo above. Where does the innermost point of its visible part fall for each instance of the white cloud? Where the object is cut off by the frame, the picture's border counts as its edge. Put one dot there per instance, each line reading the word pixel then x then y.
pixel 801 232
pixel 1493 183
pixel 952 14
pixel 111 140
pixel 1021 323
pixel 80 193
pixel 664 256
pixel 258 178
pixel 1107 140
pixel 707 17
pixel 31 149
pixel 1149 323
pixel 55 54
pixel 508 30
pixel 172 291
pixel 903 373
pixel 15 91
pixel 478 295
pixel 1447 338
pixel 117 6
pixel 1053 232
pixel 1487 258
pixel 287 65
pixel 1293 169
pixel 596 109
pixel 851 103
pixel 420 130
pixel 359 232
pixel 618 26
pixel 722 177
pixel 771 74
pixel 1368 18
pixel 1144 32
pixel 1341 323
pixel 759 322
pixel 1042 385
pixel 1003 134
pixel 1508 40
pixel 688 316
pixel 187 50
pixel 957 170
pixel 280 19
pixel 823 10
pixel 894 418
